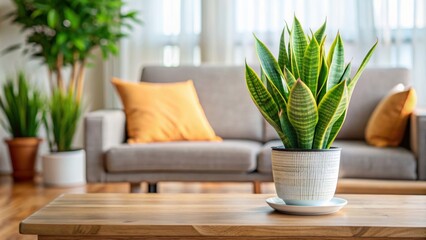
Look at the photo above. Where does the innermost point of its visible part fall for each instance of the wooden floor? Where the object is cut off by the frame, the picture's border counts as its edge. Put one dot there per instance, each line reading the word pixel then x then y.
pixel 19 200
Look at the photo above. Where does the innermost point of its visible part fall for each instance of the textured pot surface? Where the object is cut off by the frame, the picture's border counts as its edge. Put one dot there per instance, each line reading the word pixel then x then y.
pixel 64 169
pixel 23 154
pixel 305 177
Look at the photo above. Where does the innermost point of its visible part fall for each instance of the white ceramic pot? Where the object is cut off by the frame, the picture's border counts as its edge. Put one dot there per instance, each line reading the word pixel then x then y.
pixel 305 177
pixel 64 169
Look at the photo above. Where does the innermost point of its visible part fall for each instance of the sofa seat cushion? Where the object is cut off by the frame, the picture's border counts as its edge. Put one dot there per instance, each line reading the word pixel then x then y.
pixel 360 160
pixel 225 156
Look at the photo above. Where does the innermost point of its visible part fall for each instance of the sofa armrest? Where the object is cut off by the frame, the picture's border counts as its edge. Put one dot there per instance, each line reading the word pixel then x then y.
pixel 418 141
pixel 102 130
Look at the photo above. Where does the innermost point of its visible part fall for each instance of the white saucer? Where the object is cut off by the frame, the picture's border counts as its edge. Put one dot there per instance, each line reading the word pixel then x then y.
pixel 333 206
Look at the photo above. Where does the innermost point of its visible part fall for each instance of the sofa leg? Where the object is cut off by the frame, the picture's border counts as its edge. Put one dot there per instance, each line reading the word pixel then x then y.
pixel 152 187
pixel 135 187
pixel 256 187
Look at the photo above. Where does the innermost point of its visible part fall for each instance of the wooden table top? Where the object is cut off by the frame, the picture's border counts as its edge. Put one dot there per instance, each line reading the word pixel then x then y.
pixel 222 216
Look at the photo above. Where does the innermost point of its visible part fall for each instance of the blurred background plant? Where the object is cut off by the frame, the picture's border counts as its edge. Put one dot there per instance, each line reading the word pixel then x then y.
pixel 63 34
pixel 23 106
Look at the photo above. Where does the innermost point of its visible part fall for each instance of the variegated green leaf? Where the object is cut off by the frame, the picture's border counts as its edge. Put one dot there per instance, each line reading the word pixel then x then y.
pixel 335 130
pixel 337 64
pixel 322 48
pixel 283 60
pixel 270 66
pixel 291 80
pixel 311 66
pixel 290 57
pixel 330 109
pixel 299 44
pixel 302 113
pixel 322 80
pixel 263 99
pixel 346 73
pixel 361 68
pixel 263 77
pixel 294 66
pixel 331 50
pixel 270 87
pixel 290 138
pixel 319 34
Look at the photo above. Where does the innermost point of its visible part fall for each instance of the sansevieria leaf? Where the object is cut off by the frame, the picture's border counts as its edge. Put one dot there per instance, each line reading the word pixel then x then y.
pixel 294 66
pixel 270 86
pixel 290 138
pixel 322 81
pixel 331 107
pixel 331 51
pixel 319 34
pixel 291 80
pixel 270 67
pixel 346 73
pixel 337 64
pixel 302 113
pixel 283 60
pixel 263 100
pixel 335 130
pixel 298 43
pixel 311 66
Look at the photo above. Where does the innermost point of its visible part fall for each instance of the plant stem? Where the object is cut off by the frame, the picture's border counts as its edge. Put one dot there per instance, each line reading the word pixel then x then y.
pixel 59 62
pixel 71 86
pixel 80 80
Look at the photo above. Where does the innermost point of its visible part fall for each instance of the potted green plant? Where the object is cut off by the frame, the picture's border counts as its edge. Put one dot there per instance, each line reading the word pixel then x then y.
pixel 304 96
pixel 63 34
pixel 23 107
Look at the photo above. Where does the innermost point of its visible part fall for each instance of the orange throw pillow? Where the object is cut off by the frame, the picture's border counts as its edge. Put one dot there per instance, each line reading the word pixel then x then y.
pixel 163 112
pixel 387 124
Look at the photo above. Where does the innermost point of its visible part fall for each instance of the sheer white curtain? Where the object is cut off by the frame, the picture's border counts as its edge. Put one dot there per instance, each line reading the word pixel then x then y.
pixel 193 32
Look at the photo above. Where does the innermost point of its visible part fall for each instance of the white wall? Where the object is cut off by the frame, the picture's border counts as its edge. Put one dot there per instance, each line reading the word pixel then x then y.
pixel 10 63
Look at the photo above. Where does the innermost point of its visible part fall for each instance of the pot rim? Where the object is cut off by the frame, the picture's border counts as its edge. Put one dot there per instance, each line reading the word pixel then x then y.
pixel 281 148
pixel 23 140
pixel 71 152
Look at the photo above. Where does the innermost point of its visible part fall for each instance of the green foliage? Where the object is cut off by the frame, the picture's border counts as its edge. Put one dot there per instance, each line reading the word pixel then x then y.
pixel 304 94
pixel 64 34
pixel 61 122
pixel 72 28
pixel 23 107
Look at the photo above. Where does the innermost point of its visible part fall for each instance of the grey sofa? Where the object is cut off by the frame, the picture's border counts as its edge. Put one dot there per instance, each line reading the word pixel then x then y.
pixel 244 154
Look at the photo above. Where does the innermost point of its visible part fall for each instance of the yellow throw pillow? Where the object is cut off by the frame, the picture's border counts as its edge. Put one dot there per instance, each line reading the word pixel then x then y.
pixel 387 124
pixel 163 112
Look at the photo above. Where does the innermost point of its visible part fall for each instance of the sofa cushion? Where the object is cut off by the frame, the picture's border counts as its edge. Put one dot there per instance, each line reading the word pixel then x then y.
pixel 227 156
pixel 360 160
pixel 223 95
pixel 374 84
pixel 387 124
pixel 163 112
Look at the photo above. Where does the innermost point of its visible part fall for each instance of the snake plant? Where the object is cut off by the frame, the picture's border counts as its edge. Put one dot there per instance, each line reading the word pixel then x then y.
pixel 61 121
pixel 23 107
pixel 304 95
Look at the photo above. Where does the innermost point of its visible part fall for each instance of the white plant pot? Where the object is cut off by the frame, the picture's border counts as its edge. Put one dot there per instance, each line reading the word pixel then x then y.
pixel 305 177
pixel 64 169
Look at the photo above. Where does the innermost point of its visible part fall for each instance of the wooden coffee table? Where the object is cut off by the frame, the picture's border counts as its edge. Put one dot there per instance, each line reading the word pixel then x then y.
pixel 221 216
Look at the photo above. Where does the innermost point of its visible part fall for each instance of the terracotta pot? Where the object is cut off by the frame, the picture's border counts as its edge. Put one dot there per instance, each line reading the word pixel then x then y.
pixel 305 177
pixel 23 154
